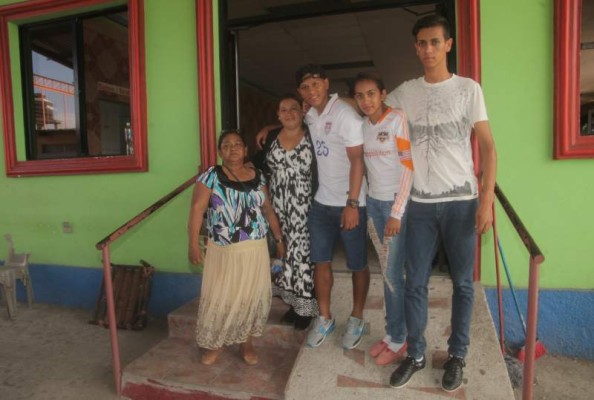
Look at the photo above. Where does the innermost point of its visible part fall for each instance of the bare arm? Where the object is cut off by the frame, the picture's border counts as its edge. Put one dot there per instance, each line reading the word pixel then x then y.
pixel 200 199
pixel 275 227
pixel 263 134
pixel 484 215
pixel 350 216
pixel 351 102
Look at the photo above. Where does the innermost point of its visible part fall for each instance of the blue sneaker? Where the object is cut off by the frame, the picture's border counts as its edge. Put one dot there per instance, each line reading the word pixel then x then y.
pixel 354 333
pixel 321 328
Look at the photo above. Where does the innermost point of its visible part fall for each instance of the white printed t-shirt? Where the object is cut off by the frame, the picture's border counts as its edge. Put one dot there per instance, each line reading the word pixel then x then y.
pixel 388 160
pixel 441 116
pixel 332 131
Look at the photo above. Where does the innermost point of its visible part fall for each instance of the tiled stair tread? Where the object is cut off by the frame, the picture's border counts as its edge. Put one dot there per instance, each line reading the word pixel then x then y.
pixel 354 375
pixel 172 369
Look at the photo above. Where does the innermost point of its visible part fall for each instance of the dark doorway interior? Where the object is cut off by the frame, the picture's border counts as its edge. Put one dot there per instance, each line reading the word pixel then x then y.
pixel 264 41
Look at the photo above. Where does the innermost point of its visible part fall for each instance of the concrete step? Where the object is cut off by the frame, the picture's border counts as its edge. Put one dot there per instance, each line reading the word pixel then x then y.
pixel 182 325
pixel 172 369
pixel 330 372
pixel 289 370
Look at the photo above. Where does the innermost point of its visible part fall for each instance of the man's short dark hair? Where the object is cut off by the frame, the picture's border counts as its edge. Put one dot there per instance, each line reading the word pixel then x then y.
pixel 309 71
pixel 431 21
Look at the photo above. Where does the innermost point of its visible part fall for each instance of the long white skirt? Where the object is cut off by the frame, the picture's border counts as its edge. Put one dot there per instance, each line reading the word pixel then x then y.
pixel 236 293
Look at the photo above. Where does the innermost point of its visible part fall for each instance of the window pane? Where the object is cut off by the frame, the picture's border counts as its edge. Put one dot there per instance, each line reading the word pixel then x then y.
pixel 587 69
pixel 40 25
pixel 53 88
pixel 107 84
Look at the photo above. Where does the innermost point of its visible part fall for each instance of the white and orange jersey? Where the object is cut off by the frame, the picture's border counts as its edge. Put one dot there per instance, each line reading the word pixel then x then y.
pixel 388 159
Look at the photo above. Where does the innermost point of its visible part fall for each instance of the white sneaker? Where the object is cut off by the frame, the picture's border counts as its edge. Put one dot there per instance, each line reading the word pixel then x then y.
pixel 321 328
pixel 354 333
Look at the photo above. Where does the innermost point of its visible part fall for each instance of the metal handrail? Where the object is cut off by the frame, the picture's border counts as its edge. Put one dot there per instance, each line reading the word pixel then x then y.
pixel 103 245
pixel 536 258
pixel 527 239
pixel 106 241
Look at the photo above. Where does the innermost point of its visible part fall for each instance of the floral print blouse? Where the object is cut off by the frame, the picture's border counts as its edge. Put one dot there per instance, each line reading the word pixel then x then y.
pixel 234 211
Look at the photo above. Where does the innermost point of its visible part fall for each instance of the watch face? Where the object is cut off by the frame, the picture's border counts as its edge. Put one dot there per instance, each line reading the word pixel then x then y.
pixel 353 203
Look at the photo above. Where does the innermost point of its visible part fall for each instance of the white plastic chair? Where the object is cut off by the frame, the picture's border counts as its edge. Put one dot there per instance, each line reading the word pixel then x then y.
pixel 7 281
pixel 15 267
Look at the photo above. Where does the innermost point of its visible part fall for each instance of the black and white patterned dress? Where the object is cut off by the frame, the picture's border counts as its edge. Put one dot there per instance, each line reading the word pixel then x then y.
pixel 291 194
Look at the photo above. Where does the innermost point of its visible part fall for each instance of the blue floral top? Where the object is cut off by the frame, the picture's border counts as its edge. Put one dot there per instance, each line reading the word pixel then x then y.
pixel 235 208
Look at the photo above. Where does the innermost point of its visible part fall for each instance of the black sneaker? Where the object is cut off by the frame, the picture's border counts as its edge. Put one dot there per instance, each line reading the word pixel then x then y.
pixel 289 316
pixel 405 371
pixel 452 377
pixel 302 323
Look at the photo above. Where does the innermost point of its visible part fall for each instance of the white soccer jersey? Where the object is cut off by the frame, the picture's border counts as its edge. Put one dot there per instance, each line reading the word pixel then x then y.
pixel 441 116
pixel 332 131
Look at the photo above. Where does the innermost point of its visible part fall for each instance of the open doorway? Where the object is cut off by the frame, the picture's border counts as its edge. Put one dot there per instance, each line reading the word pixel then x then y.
pixel 263 42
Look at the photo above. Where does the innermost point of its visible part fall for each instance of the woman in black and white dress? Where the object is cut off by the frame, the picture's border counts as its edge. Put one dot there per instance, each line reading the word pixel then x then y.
pixel 288 160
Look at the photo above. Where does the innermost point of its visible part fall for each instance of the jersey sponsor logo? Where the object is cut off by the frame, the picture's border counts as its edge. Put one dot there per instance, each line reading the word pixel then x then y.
pixel 327 127
pixel 379 153
pixel 383 136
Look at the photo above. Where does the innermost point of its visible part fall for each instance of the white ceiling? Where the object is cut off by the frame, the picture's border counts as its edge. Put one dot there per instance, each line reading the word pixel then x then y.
pixel 269 54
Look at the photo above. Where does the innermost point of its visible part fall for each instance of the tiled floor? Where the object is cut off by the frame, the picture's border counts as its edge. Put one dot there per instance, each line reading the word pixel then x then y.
pixel 172 369
pixel 184 373
pixel 330 372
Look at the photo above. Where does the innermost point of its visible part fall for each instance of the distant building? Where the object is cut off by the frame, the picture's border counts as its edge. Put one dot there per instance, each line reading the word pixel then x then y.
pixel 44 113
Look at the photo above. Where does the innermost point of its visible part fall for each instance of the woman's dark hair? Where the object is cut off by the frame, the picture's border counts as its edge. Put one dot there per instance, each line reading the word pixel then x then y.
pixel 288 96
pixel 431 21
pixel 369 76
pixel 228 132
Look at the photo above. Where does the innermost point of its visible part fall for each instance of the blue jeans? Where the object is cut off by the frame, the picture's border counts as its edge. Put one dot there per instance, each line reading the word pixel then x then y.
pixel 378 213
pixel 453 222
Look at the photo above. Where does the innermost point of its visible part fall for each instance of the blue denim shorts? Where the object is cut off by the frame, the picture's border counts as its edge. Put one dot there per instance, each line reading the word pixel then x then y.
pixel 324 228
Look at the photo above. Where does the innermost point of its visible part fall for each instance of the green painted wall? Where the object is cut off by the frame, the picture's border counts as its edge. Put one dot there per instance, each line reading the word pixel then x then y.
pixel 34 208
pixel 553 198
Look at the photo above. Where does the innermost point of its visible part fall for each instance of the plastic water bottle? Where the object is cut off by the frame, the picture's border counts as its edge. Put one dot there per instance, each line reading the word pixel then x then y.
pixel 276 267
pixel 128 139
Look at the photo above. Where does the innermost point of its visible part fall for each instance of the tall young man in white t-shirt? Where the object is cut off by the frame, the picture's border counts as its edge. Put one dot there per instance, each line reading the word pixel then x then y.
pixel 338 209
pixel 442 110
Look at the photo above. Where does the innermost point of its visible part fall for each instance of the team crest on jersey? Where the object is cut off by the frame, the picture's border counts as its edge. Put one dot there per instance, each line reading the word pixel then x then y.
pixel 383 136
pixel 328 127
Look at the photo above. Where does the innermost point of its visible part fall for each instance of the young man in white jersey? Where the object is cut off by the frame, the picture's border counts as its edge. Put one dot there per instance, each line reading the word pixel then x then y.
pixel 443 109
pixel 338 209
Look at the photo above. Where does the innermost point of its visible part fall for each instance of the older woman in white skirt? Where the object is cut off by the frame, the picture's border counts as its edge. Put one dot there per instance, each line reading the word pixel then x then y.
pixel 236 294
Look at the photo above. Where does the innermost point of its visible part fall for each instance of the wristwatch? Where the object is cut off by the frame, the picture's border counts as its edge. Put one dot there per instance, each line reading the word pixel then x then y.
pixel 353 203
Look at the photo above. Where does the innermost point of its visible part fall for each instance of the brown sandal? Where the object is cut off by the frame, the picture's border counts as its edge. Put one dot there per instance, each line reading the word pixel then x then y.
pixel 209 357
pixel 248 355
